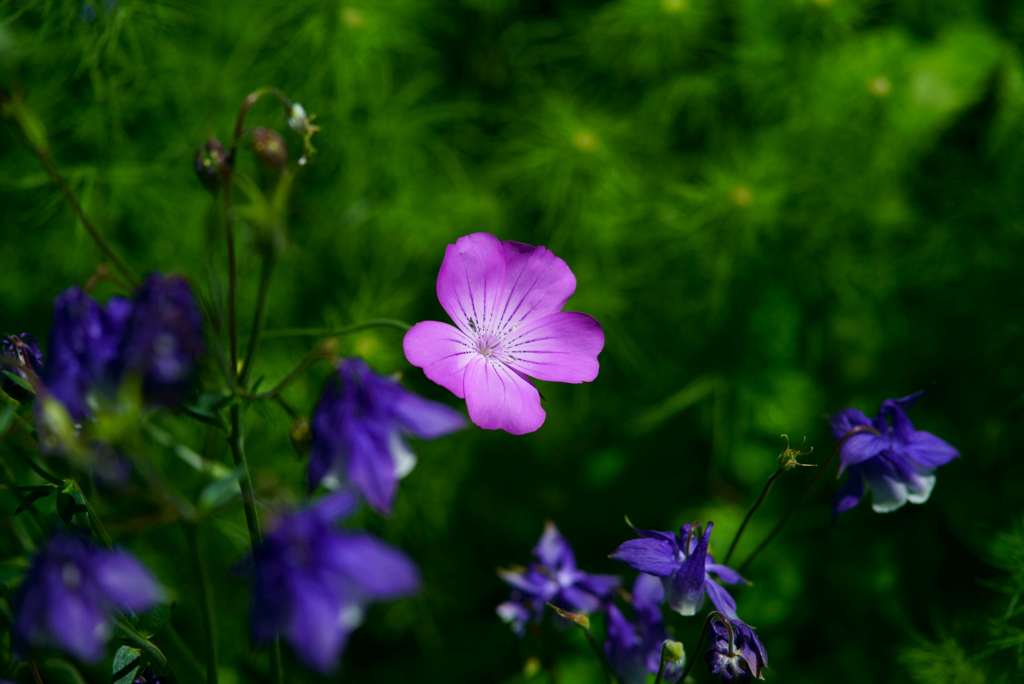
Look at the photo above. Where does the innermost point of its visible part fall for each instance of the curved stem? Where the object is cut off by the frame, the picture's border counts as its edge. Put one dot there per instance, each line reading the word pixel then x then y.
pixel 206 599
pixel 308 360
pixel 600 656
pixel 817 476
pixel 132 636
pixel 750 514
pixel 229 232
pixel 712 616
pixel 35 671
pixel 258 317
pixel 335 332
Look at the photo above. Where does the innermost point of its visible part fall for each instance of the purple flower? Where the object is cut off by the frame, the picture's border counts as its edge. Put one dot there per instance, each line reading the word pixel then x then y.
pixel 737 655
pixel 147 677
pixel 553 578
pixel 634 648
pixel 83 347
pixel 157 336
pixel 311 583
pixel 507 299
pixel 70 593
pixel 685 566
pixel 163 339
pixel 898 463
pixel 359 429
pixel 25 350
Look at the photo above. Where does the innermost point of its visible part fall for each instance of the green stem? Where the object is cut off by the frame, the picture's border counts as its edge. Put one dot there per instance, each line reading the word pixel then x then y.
pixel 308 360
pixel 175 642
pixel 335 332
pixel 206 599
pixel 130 635
pixel 94 522
pixel 793 509
pixel 229 232
pixel 38 469
pixel 62 186
pixel 750 514
pixel 237 443
pixel 258 317
pixel 600 656
pixel 661 670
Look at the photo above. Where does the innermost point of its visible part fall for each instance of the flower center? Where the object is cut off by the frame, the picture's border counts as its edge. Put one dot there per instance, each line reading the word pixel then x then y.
pixel 70 576
pixel 488 344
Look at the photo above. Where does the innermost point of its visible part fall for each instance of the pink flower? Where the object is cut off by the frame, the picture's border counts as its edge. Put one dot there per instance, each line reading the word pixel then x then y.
pixel 506 299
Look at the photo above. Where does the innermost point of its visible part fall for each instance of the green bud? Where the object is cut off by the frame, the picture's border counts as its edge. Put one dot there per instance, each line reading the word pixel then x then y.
pixel 672 651
pixel 787 459
pixel 269 148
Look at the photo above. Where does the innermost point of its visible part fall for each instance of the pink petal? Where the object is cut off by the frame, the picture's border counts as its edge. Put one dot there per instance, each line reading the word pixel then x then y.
pixel 442 351
pixel 562 347
pixel 537 283
pixel 471 283
pixel 499 399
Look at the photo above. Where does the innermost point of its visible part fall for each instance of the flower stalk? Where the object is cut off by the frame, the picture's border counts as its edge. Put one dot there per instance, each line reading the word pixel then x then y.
pixel 206 599
pixel 712 616
pixel 803 495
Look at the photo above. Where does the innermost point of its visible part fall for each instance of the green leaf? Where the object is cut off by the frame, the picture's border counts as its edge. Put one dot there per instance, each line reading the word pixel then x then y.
pixel 71 506
pixel 152 621
pixel 221 491
pixel 13 568
pixel 18 380
pixel 127 662
pixel 6 418
pixel 31 497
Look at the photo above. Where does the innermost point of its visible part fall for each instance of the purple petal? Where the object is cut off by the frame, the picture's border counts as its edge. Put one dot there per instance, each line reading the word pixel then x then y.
pixel 537 283
pixel 424 418
pixel 686 588
pixel 553 550
pixel 925 449
pixel 903 403
pixel 887 492
pixel 499 399
pixel 850 494
pixel 78 625
pixel 859 448
pixel 530 582
pixel 842 422
pixel 721 598
pixel 317 628
pixel 376 570
pixel 471 283
pixel 725 573
pixel 442 351
pixel 126 581
pixel 371 467
pixel 600 585
pixel 577 600
pixel 653 556
pixel 561 347
pixel 648 592
pixel 336 507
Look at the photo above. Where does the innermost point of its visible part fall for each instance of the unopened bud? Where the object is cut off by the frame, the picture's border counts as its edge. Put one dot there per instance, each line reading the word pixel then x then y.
pixel 269 147
pixel 300 437
pixel 672 651
pixel 578 619
pixel 787 459
pixel 297 118
pixel 210 161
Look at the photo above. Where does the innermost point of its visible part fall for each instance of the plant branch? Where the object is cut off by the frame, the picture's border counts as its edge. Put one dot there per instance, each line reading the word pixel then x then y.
pixel 258 317
pixel 750 514
pixel 335 332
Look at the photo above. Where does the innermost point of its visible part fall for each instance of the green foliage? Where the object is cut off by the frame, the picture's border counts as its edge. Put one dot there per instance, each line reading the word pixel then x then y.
pixel 776 210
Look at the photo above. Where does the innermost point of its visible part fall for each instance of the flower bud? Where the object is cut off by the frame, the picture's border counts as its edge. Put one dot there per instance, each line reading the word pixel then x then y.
pixel 210 161
pixel 672 651
pixel 787 459
pixel 578 619
pixel 269 147
pixel 300 437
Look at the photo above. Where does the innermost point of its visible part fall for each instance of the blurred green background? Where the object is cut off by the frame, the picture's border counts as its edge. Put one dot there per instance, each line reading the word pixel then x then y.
pixel 776 209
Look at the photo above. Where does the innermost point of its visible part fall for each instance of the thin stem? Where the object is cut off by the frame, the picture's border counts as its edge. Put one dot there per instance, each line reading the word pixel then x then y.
pixel 175 642
pixel 258 317
pixel 335 332
pixel 35 671
pixel 600 656
pixel 129 634
pixel 58 180
pixel 237 443
pixel 661 670
pixel 712 616
pixel 206 599
pixel 94 522
pixel 317 353
pixel 750 514
pixel 229 232
pixel 817 476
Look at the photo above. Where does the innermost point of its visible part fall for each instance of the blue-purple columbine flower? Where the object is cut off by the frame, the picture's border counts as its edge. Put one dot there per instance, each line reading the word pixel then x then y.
pixel 71 592
pixel 359 429
pixel 633 649
pixel 684 565
pixel 311 583
pixel 898 463
pixel 157 336
pixel 163 340
pixel 84 344
pixel 737 654
pixel 552 578
pixel 147 677
pixel 24 349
